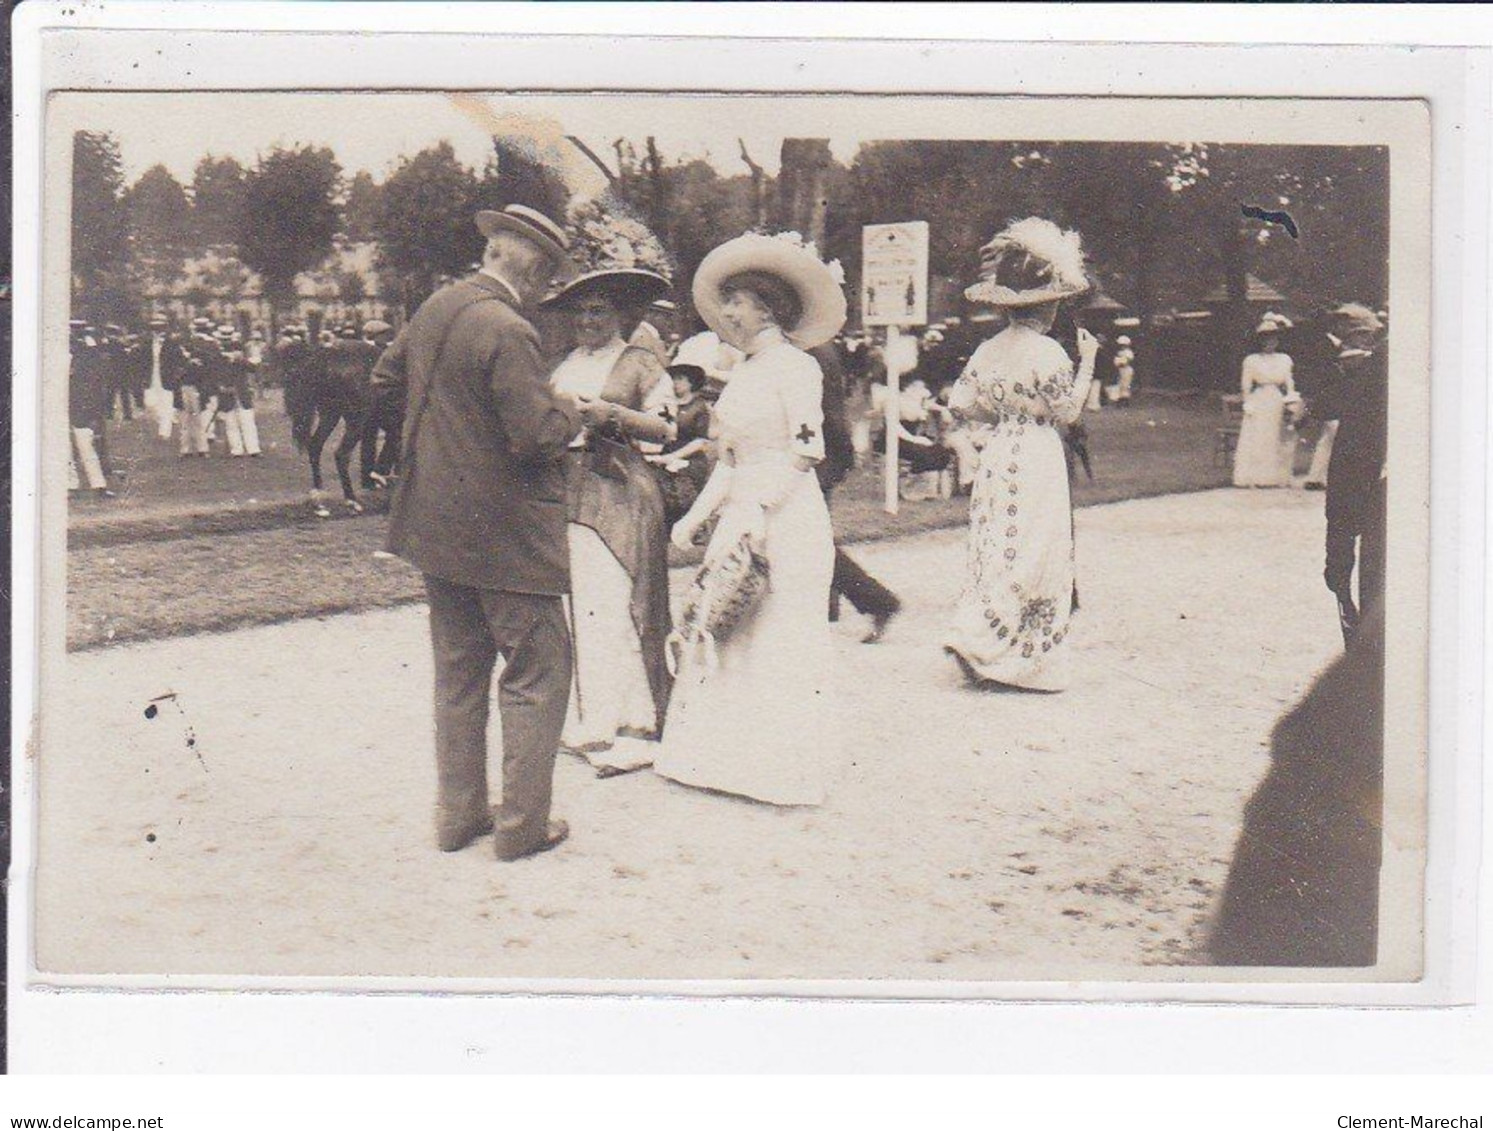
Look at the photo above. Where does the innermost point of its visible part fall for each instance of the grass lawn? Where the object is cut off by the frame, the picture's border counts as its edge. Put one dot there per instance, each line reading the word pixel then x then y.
pixel 159 484
pixel 270 560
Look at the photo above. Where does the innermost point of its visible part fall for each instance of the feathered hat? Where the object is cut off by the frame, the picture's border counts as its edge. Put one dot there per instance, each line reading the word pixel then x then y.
pixel 614 255
pixel 1032 261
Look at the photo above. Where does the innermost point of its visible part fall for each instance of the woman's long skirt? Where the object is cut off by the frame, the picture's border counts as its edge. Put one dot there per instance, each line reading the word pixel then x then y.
pixel 1266 451
pixel 620 608
pixel 1014 614
pixel 761 724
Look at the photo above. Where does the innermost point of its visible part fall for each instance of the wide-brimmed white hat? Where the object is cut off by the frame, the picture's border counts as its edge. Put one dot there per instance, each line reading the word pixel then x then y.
pixel 1047 260
pixel 818 285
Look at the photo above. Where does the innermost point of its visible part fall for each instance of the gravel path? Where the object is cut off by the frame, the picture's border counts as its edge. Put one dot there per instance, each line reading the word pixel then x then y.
pixel 969 836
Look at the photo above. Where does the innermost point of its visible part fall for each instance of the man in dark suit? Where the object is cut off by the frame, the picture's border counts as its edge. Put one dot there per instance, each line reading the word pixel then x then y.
pixel 88 406
pixel 480 511
pixel 864 592
pixel 162 359
pixel 1357 484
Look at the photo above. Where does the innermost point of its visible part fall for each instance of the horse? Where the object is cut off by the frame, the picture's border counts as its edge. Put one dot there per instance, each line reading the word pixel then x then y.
pixel 326 386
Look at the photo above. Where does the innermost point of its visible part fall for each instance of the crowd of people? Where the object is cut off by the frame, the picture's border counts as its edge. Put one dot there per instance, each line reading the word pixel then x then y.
pixel 200 388
pixel 195 385
pixel 546 435
pixel 557 439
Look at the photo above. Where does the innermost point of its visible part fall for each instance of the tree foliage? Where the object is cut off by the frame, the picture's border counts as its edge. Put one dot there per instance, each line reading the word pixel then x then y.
pixel 696 207
pixel 360 212
pixel 1162 223
pixel 424 224
pixel 103 276
pixel 160 223
pixel 426 206
pixel 517 174
pixel 217 200
pixel 290 216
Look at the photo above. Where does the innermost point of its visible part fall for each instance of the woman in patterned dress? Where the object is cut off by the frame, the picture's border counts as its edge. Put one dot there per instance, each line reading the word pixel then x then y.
pixel 1018 392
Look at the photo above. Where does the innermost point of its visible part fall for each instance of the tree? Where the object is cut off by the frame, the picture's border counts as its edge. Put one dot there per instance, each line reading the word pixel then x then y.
pixel 217 200
pixel 160 223
pixel 516 174
pixel 424 225
pixel 360 212
pixel 702 208
pixel 802 175
pixel 290 217
pixel 101 262
pixel 759 186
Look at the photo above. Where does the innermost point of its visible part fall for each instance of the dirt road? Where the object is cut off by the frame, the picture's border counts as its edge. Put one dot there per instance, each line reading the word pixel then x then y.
pixel 968 836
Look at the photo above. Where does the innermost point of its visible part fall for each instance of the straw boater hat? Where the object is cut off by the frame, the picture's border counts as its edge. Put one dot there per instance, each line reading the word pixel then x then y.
pixel 1032 261
pixel 1354 317
pixel 818 285
pixel 533 225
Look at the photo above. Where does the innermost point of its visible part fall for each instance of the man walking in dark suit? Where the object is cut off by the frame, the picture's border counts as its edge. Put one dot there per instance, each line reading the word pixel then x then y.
pixel 480 511
pixel 1357 484
pixel 868 596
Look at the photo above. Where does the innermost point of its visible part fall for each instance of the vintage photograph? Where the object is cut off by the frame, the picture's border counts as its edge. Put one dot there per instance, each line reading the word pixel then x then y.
pixel 554 538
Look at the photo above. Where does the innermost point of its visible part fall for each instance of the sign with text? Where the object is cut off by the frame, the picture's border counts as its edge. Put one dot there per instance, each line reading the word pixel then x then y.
pixel 894 274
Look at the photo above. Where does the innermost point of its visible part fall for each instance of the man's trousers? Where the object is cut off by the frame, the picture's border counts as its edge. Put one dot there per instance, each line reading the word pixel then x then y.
pixel 469 629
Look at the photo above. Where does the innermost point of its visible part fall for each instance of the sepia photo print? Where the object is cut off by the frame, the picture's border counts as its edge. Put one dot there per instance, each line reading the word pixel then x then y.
pixel 780 543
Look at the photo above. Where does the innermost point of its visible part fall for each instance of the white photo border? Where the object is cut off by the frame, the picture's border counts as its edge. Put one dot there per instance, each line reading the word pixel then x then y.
pixel 1454 83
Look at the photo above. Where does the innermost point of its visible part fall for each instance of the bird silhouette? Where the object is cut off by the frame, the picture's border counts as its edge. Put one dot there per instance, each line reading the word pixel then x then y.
pixel 1284 219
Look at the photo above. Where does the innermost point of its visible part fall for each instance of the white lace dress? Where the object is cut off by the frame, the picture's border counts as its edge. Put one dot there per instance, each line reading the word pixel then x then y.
pixel 1266 453
pixel 1014 613
pixel 761 724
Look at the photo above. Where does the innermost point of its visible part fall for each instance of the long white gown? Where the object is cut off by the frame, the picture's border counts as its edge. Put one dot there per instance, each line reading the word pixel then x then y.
pixel 761 724
pixel 1014 613
pixel 611 718
pixel 1266 452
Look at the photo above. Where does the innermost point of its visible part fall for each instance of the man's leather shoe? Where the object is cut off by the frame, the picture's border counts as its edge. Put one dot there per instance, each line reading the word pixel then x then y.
pixel 879 623
pixel 452 836
pixel 553 835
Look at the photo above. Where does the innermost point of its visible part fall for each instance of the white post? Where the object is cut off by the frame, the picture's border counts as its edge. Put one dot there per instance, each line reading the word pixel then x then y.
pixel 892 353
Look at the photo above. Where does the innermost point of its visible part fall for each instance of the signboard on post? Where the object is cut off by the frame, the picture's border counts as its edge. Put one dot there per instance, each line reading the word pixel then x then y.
pixel 894 294
pixel 894 274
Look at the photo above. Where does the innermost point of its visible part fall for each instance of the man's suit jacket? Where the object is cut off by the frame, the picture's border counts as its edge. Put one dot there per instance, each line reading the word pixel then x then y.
pixel 839 449
pixel 482 499
pixel 173 361
pixel 1358 399
pixel 88 386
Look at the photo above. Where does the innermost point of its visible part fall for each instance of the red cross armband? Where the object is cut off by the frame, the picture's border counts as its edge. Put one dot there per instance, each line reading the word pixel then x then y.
pixel 808 440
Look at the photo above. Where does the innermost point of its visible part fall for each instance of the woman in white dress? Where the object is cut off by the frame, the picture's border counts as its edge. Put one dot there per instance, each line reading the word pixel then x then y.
pixel 1266 452
pixel 617 536
pixel 757 722
pixel 1019 391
